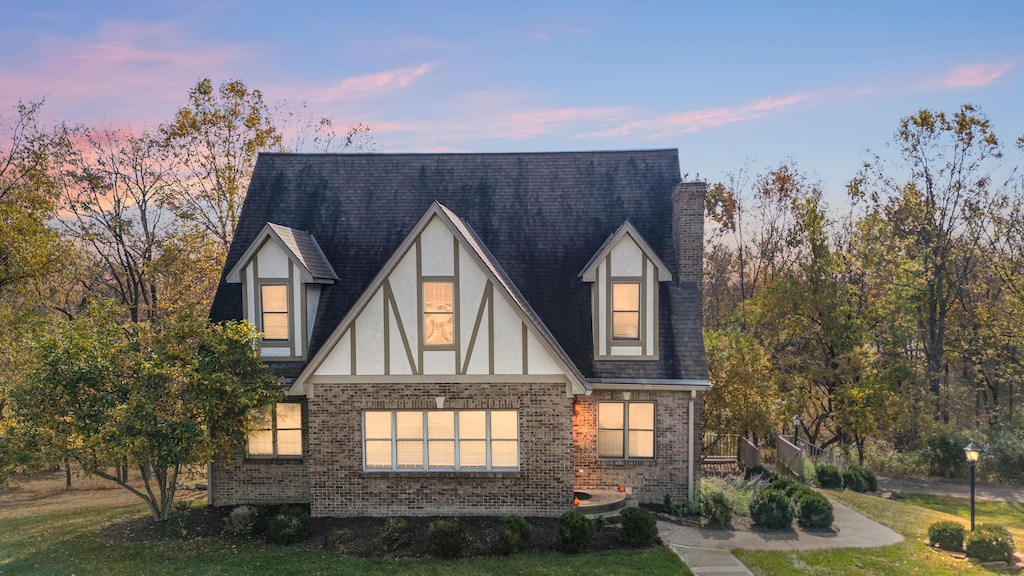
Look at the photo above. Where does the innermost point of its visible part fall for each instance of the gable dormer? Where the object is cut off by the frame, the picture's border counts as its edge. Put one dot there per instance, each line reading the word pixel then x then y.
pixel 624 274
pixel 281 273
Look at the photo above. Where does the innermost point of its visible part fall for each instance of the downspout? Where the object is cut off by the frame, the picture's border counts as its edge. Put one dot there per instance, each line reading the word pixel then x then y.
pixel 689 487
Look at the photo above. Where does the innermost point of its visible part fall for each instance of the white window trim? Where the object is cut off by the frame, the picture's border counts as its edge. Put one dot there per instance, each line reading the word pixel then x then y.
pixel 625 430
pixel 426 444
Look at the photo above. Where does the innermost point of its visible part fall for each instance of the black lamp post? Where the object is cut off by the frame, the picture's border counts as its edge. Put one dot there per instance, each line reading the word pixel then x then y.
pixel 796 427
pixel 973 453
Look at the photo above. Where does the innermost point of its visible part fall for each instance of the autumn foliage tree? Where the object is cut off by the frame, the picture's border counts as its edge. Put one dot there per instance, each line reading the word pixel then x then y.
pixel 161 397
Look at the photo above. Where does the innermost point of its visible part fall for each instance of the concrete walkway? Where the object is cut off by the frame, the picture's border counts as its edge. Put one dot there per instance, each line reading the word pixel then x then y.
pixel 982 491
pixel 707 551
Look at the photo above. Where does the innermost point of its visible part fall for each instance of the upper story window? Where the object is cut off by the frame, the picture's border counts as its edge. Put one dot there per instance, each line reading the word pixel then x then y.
pixel 438 314
pixel 625 276
pixel 274 315
pixel 626 310
pixel 275 431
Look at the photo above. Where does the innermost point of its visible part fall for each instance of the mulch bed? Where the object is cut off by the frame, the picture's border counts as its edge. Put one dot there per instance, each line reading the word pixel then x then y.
pixel 483 532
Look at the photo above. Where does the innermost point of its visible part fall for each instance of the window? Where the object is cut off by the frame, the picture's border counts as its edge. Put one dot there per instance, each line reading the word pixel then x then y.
pixel 274 303
pixel 276 431
pixel 443 440
pixel 626 310
pixel 438 314
pixel 625 429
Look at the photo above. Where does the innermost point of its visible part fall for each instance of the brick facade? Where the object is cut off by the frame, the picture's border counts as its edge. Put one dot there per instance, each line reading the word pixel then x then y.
pixel 340 487
pixel 648 480
pixel 262 480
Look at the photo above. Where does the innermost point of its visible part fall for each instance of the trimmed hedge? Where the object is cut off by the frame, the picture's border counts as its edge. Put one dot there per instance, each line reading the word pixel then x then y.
pixel 772 509
pixel 575 533
pixel 289 526
pixel 393 535
pixel 947 535
pixel 639 527
pixel 829 477
pixel 989 543
pixel 446 538
pixel 715 507
pixel 854 480
pixel 867 477
pixel 815 510
pixel 515 535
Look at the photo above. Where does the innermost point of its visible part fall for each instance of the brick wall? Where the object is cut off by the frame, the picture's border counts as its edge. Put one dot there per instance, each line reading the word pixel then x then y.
pixel 263 481
pixel 688 230
pixel 648 480
pixel 339 486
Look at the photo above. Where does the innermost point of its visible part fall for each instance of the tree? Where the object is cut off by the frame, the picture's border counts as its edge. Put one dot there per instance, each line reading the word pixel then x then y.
pixel 163 397
pixel 744 393
pixel 938 209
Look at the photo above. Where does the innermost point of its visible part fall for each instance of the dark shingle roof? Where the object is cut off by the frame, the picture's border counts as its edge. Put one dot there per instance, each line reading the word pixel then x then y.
pixel 542 216
pixel 305 248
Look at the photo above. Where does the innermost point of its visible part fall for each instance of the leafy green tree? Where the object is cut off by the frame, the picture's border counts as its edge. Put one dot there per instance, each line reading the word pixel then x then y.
pixel 938 205
pixel 163 397
pixel 744 392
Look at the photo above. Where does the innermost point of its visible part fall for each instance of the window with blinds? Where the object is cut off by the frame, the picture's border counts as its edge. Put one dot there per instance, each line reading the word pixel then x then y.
pixel 275 431
pixel 626 310
pixel 274 306
pixel 442 440
pixel 625 429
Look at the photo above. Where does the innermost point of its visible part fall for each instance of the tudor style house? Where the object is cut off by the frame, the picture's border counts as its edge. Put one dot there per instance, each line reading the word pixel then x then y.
pixel 469 333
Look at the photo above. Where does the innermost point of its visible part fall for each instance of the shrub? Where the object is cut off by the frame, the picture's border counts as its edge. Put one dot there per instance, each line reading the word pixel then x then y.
pixel 947 535
pixel 943 454
pixel 869 478
pixel 1003 457
pixel 829 477
pixel 772 509
pixel 289 526
pixel 671 507
pixel 815 510
pixel 715 507
pixel 988 543
pixel 177 522
pixel 241 521
pixel 338 540
pixel 515 535
pixel 392 536
pixel 599 523
pixel 853 480
pixel 783 483
pixel 446 538
pixel 575 533
pixel 755 471
pixel 639 527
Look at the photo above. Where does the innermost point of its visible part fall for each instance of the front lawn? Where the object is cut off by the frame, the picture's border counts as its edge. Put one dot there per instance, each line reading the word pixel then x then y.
pixel 1009 514
pixel 908 557
pixel 75 542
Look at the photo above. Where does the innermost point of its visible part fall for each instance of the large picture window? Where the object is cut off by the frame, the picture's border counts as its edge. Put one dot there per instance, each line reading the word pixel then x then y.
pixel 626 310
pixel 438 314
pixel 275 431
pixel 442 440
pixel 625 429
pixel 274 306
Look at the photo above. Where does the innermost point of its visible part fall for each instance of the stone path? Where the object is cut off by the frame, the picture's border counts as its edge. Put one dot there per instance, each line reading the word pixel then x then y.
pixel 707 551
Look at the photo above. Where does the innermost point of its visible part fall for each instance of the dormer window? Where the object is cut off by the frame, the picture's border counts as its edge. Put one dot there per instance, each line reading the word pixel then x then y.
pixel 625 274
pixel 281 273
pixel 438 314
pixel 626 310
pixel 274 300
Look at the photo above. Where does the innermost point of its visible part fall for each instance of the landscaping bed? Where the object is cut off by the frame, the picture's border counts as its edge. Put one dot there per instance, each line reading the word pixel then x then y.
pixel 483 532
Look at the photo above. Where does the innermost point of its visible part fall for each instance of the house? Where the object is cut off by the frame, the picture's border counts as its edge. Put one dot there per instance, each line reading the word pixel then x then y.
pixel 469 334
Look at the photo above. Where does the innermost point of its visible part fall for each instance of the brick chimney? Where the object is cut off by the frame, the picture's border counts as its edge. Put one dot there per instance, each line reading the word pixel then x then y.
pixel 688 232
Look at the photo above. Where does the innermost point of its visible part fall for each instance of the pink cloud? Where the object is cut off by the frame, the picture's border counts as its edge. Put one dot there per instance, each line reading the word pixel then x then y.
pixel 975 74
pixel 134 70
pixel 370 85
pixel 694 120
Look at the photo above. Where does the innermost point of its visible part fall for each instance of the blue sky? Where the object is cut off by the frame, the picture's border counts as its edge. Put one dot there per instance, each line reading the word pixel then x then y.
pixel 726 83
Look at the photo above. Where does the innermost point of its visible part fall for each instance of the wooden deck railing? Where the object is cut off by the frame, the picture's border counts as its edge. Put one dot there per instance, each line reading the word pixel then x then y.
pixel 749 453
pixel 789 457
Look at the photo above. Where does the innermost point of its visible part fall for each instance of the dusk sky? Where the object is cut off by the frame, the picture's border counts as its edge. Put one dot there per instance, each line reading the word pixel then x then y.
pixel 725 83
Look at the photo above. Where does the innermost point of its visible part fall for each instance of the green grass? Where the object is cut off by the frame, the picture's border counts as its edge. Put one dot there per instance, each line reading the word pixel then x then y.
pixel 1009 514
pixel 71 544
pixel 907 557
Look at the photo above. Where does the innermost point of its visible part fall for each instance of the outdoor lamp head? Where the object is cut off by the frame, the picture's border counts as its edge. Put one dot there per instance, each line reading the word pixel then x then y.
pixel 972 452
pixel 796 420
